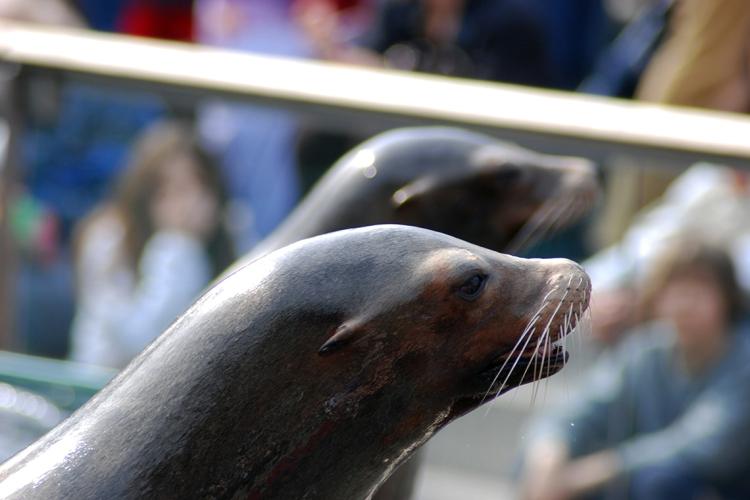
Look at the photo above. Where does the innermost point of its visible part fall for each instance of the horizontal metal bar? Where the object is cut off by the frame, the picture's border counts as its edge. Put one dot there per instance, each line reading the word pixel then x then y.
pixel 568 121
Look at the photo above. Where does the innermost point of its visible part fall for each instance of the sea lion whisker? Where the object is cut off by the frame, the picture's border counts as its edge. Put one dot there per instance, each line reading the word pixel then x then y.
pixel 534 355
pixel 535 317
pixel 546 358
pixel 547 222
pixel 536 376
pixel 562 299
pixel 572 323
pixel 539 355
pixel 534 381
pixel 566 321
pixel 530 231
pixel 534 362
pixel 560 215
pixel 526 333
pixel 566 213
pixel 587 320
pixel 583 314
pixel 515 363
pixel 524 235
pixel 543 338
pixel 544 301
pixel 530 335
pixel 549 367
pixel 580 208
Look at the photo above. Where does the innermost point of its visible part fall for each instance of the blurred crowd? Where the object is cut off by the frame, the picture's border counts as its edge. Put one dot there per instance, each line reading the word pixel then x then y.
pixel 128 206
pixel 81 143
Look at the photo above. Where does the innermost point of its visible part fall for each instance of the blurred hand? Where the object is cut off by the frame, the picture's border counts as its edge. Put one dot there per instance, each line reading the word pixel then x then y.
pixel 542 477
pixel 612 313
pixel 547 487
pixel 557 480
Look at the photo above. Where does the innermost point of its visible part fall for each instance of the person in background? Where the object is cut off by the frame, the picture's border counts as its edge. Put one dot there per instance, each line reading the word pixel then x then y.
pixel 667 414
pixel 75 137
pixel 143 257
pixel 254 144
pixel 483 39
pixel 702 62
pixel 706 199
pixel 489 40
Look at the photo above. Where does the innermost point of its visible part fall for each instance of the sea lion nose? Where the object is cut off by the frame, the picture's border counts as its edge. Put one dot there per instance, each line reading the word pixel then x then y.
pixel 580 166
pixel 568 274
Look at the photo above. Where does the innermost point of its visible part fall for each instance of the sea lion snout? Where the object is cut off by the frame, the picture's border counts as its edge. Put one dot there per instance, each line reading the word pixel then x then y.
pixel 565 270
pixel 567 296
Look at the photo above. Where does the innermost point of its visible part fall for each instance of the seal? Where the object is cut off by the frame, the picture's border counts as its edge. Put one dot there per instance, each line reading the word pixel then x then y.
pixel 466 184
pixel 377 336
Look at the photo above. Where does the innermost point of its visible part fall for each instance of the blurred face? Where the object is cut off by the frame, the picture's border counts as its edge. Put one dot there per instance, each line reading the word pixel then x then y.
pixel 183 202
pixel 180 178
pixel 695 305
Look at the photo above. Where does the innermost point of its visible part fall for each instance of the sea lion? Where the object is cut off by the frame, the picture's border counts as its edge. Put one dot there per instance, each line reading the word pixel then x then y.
pixel 377 336
pixel 469 185
pixel 466 184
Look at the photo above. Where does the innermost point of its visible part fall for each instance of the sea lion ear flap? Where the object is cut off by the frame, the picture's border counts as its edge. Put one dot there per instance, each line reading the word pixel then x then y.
pixel 413 191
pixel 344 335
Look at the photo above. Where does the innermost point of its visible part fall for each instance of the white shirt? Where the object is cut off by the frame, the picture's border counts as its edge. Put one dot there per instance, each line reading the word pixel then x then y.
pixel 119 313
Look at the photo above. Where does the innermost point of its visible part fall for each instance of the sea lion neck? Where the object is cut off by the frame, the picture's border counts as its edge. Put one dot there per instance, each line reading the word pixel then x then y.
pixel 142 434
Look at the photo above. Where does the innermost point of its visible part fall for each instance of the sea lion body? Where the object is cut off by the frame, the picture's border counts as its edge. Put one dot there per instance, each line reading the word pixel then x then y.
pixel 462 183
pixel 310 373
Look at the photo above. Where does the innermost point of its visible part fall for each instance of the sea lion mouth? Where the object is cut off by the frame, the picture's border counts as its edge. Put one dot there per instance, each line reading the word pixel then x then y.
pixel 534 363
pixel 528 367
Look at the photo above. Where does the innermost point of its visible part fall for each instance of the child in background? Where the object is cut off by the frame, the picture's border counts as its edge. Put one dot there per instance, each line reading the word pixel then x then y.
pixel 143 257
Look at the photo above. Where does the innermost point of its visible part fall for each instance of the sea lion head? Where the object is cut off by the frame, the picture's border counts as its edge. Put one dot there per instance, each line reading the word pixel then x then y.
pixel 382 335
pixel 447 322
pixel 473 186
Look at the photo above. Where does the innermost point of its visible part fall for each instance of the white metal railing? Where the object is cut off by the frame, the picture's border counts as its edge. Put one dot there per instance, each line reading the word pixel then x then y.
pixel 612 125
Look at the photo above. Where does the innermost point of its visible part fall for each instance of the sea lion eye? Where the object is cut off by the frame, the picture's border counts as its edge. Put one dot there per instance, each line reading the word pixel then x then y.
pixel 472 287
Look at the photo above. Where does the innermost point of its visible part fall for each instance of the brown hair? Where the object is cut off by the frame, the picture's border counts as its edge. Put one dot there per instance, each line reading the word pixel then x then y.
pixel 688 257
pixel 140 181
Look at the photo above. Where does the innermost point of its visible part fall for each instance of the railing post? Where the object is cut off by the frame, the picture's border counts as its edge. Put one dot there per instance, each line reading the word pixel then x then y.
pixel 10 128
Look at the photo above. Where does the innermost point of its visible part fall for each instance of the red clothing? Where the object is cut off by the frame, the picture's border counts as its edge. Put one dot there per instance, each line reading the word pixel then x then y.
pixel 168 19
